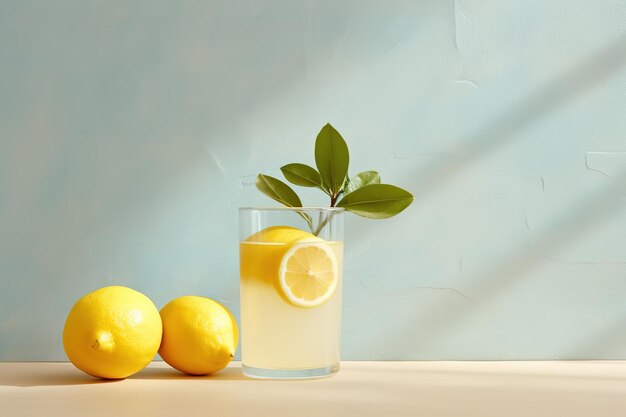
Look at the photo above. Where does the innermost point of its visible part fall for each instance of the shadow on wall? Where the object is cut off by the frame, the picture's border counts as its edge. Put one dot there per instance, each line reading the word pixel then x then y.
pixel 590 210
pixel 587 74
pixel 606 338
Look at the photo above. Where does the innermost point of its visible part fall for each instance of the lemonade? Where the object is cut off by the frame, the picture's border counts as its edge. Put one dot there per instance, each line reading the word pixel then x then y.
pixel 291 279
pixel 290 303
pixel 278 334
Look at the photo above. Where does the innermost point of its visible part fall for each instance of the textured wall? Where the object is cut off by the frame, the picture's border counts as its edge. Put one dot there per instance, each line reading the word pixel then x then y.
pixel 130 132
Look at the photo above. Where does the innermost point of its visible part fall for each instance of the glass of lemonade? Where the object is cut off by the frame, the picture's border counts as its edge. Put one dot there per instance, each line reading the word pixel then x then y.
pixel 291 267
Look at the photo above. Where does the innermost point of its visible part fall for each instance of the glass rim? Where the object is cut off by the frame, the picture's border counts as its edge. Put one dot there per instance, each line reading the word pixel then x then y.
pixel 334 209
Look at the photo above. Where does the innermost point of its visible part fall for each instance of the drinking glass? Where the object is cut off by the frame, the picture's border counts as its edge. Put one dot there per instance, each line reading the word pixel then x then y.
pixel 291 267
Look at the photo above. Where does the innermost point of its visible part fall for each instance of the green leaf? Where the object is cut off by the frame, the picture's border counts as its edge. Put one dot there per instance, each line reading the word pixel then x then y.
pixel 281 192
pixel 277 190
pixel 332 158
pixel 377 201
pixel 361 180
pixel 303 175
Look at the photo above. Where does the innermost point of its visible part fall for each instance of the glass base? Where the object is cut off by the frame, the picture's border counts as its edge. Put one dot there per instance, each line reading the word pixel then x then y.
pixel 310 373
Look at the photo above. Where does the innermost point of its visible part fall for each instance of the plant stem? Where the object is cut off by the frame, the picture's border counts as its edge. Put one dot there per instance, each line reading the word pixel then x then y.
pixel 335 197
pixel 306 218
pixel 323 223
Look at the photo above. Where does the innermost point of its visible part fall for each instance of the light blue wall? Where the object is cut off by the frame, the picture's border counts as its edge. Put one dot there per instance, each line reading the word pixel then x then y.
pixel 130 132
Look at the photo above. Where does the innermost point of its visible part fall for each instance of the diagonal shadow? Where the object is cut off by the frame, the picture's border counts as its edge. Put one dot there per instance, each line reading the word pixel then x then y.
pixel 608 339
pixel 588 212
pixel 546 99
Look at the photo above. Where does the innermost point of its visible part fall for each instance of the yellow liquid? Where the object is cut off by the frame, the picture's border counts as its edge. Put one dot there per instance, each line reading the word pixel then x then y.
pixel 275 333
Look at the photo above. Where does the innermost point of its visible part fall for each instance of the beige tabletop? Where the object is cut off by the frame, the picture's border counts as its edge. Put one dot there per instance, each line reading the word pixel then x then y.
pixel 431 389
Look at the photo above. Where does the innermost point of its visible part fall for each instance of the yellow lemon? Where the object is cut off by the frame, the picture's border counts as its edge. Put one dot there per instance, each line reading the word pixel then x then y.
pixel 308 273
pixel 264 250
pixel 279 234
pixel 112 332
pixel 200 335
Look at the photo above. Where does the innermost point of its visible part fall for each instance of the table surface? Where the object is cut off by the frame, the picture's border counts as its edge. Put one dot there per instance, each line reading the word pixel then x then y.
pixel 579 388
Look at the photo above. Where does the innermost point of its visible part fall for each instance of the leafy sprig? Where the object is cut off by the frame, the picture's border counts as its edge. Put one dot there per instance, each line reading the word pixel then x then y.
pixel 363 194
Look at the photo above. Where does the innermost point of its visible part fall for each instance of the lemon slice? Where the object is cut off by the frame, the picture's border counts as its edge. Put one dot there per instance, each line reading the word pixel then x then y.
pixel 308 273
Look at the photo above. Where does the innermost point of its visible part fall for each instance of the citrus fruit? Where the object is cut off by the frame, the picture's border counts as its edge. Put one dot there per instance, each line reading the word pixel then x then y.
pixel 264 250
pixel 279 234
pixel 308 273
pixel 112 332
pixel 200 335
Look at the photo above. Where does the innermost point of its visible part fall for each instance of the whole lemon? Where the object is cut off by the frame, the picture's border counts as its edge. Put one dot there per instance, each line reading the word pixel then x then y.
pixel 112 332
pixel 200 335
